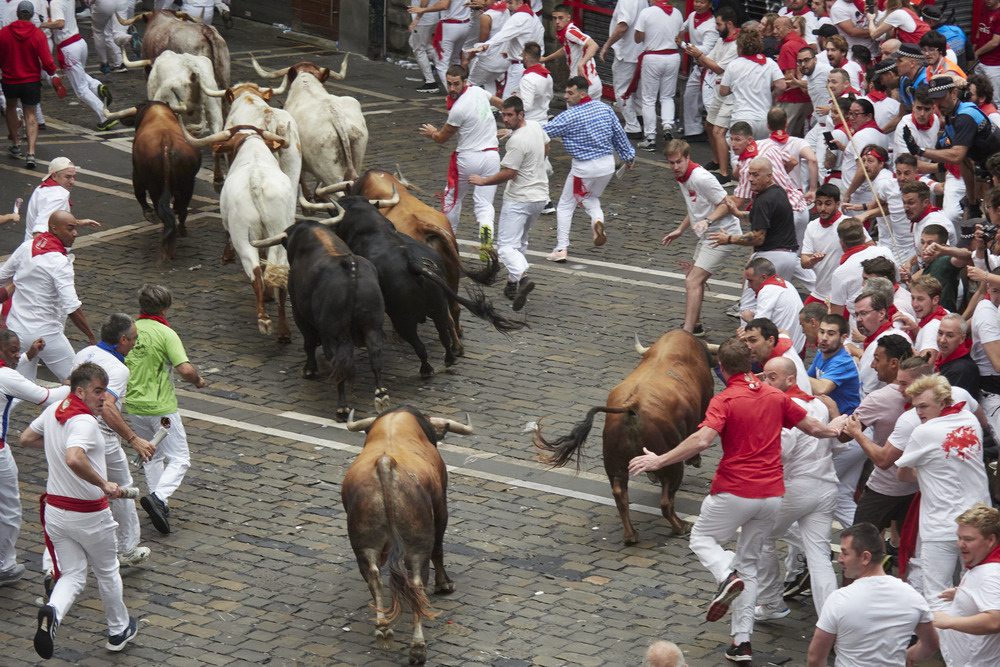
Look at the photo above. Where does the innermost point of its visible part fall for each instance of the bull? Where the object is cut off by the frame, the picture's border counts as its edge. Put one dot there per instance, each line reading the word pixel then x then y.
pixel 657 406
pixel 336 303
pixel 178 32
pixel 333 129
pixel 165 166
pixel 412 282
pixel 395 498
pixel 177 79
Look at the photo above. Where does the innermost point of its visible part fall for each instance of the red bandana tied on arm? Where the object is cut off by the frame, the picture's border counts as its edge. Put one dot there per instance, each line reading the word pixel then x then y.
pixel 46 242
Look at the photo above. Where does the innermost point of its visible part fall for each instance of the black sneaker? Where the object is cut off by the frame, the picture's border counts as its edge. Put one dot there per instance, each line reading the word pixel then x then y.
pixel 117 642
pixel 797 586
pixel 48 584
pixel 157 512
pixel 523 290
pixel 510 289
pixel 728 591
pixel 741 653
pixel 429 87
pixel 726 181
pixel 699 331
pixel 712 166
pixel 549 209
pixel 29 161
pixel 107 124
pixel 46 634
pixel 117 69
pixel 15 151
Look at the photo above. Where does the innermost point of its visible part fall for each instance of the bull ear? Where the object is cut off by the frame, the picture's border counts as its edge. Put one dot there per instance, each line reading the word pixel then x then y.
pixel 273 144
pixel 220 147
pixel 267 94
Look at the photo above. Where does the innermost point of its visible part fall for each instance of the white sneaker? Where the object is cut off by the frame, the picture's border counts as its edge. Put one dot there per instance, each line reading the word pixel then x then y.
pixel 770 612
pixel 134 557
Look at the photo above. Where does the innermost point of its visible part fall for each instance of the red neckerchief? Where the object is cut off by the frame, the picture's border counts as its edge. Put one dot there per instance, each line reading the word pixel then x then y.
pixel 871 339
pixel 71 407
pixel 772 280
pixel 49 183
pixel 782 346
pixel 922 127
pixel 756 58
pixel 526 8
pixel 877 96
pixel 835 218
pixel 701 18
pixel 994 557
pixel 692 165
pixel 779 136
pixel 959 352
pixel 839 125
pixel 47 242
pixel 952 409
pixel 751 381
pixel 795 392
pixel 156 318
pixel 584 100
pixel 989 108
pixel 560 34
pixel 840 64
pixel 749 153
pixel 870 123
pixel 732 37
pixel 449 103
pixel 927 211
pixel 936 315
pixel 851 90
pixel 667 8
pixel 852 251
pixel 538 69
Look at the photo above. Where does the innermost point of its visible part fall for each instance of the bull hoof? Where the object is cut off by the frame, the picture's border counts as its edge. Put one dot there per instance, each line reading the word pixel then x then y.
pixel 631 538
pixel 383 637
pixel 381 400
pixel 228 255
pixel 151 216
pixel 449 359
pixel 426 370
pixel 343 414
pixel 458 350
pixel 264 326
pixel 217 185
pixel 284 338
pixel 685 528
pixel 310 374
pixel 445 588
pixel 182 229
pixel 418 653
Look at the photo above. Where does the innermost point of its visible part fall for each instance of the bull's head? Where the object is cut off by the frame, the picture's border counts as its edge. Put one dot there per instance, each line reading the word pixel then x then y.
pixel 320 73
pixel 279 238
pixel 638 346
pixel 230 94
pixel 325 206
pixel 441 424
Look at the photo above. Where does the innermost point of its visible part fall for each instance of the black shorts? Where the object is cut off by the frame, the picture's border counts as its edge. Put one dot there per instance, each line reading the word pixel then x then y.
pixel 30 94
pixel 879 509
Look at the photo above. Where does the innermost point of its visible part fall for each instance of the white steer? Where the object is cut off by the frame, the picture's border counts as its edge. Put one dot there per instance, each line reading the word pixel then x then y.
pixel 177 80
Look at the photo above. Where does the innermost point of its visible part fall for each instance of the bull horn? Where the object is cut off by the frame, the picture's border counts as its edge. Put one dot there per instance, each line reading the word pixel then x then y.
pixel 270 241
pixel 184 16
pixel 402 179
pixel 211 92
pixel 270 136
pixel 330 222
pixel 335 187
pixel 638 346
pixel 451 426
pixel 134 64
pixel 182 109
pixel 362 425
pixel 312 206
pixel 387 203
pixel 280 90
pixel 204 141
pixel 343 70
pixel 130 21
pixel 124 113
pixel 264 74
pixel 713 349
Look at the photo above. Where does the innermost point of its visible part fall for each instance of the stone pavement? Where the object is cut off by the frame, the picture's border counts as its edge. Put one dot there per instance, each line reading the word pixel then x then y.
pixel 259 570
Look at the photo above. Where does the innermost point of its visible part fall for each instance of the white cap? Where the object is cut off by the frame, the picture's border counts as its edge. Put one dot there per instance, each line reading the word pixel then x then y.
pixel 58 164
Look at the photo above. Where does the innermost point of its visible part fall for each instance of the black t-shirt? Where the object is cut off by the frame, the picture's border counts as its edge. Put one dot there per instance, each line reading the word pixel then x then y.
pixel 771 211
pixel 962 129
pixel 962 372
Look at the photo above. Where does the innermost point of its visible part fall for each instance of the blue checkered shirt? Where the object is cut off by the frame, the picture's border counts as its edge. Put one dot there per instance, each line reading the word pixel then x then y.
pixel 589 131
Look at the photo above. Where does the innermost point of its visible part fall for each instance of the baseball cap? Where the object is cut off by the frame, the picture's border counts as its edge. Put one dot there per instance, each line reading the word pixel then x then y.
pixel 884 65
pixel 25 7
pixel 909 51
pixel 826 30
pixel 59 163
pixel 940 86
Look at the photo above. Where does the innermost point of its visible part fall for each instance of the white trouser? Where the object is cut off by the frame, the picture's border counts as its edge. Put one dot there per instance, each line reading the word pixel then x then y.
pixel 707 92
pixel 513 227
pixel 810 503
pixel 452 38
pixel 84 86
pixel 659 80
pixel 693 103
pixel 423 50
pixel 721 515
pixel 109 33
pixel 939 563
pixel 848 463
pixel 10 510
pixel 954 190
pixel 514 73
pixel 490 74
pixel 57 354
pixel 786 265
pixel 814 137
pixel 991 72
pixel 80 538
pixel 990 403
pixel 567 205
pixel 165 471
pixel 621 77
pixel 198 10
pixel 484 163
pixel 123 509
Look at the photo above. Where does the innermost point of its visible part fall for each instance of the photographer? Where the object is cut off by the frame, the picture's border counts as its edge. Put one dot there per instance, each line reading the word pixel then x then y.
pixel 985 244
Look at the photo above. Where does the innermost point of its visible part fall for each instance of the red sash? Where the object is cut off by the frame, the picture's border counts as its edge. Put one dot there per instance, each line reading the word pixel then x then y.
pixel 958 353
pixel 633 85
pixel 63 44
pixel 439 35
pixel 852 251
pixel 69 504
pixel 579 189
pixel 451 185
pixel 908 535
pixel 46 242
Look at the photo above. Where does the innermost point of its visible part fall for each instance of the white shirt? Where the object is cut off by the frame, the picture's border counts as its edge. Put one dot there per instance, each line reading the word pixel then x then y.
pixel 804 456
pixel 702 192
pixel 491 57
pixel 782 305
pixel 898 18
pixel 750 86
pixel 847 281
pixel 816 84
pixel 704 36
pixel 885 111
pixel 979 591
pixel 427 18
pixel 45 292
pixel 863 137
pixel 867 374
pixel 823 239
pixel 41 8
pixel 933 218
pixel 722 54
pixel 536 93
pixel 65 10
pixel 45 200
pixel 873 619
pixel 79 431
pixel 927 337
pixel 844 10
pixel 517 31
pixel 526 155
pixel 903 301
pixel 856 74
pixel 887 190
pixel 117 382
pixel 627 12
pixel 14 385
pixel 659 28
pixel 984 329
pixel 456 10
pixel 472 115
pixel 924 138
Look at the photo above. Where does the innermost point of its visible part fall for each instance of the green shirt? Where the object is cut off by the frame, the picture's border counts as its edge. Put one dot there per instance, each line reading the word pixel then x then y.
pixel 151 362
pixel 949 276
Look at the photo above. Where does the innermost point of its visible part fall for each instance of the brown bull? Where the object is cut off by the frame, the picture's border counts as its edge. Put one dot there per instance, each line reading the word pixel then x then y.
pixel 656 407
pixel 178 32
pixel 394 496
pixel 427 225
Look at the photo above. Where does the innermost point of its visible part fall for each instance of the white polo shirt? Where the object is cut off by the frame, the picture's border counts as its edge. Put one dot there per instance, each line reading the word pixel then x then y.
pixel 44 291
pixel 117 382
pixel 659 29
pixel 472 115
pixel 79 431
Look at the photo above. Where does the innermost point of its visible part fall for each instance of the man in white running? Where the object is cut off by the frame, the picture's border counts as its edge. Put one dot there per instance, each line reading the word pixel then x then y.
pixel 702 34
pixel 450 32
pixel 520 28
pixel 657 29
pixel 51 196
pixel 421 32
pixel 577 47
pixel 622 39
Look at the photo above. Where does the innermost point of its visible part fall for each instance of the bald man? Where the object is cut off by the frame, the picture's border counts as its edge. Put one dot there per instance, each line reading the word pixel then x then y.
pixel 664 654
pixel 46 295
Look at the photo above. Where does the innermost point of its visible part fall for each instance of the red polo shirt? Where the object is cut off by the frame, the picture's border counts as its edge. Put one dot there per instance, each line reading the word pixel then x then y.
pixel 749 416
pixel 786 60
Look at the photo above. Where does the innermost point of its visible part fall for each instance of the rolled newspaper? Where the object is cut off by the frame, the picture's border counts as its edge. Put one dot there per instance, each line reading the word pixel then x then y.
pixel 129 492
pixel 157 439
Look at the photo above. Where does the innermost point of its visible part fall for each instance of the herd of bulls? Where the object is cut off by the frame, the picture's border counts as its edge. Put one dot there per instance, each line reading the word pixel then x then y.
pixel 381 252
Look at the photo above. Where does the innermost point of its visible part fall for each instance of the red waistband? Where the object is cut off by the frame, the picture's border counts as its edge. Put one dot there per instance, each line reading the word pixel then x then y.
pixel 69 40
pixel 660 52
pixel 454 21
pixel 76 504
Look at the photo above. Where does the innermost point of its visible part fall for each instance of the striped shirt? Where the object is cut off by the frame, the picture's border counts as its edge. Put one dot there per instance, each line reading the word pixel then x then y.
pixel 590 131
pixel 781 176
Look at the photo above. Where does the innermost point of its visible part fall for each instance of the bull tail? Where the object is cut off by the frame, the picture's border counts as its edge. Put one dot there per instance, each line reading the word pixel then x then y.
pixel 558 452
pixel 401 585
pixel 345 143
pixel 342 355
pixel 487 274
pixel 162 203
pixel 477 304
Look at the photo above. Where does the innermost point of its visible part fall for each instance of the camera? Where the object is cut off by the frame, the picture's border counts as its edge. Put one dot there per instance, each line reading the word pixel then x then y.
pixel 968 232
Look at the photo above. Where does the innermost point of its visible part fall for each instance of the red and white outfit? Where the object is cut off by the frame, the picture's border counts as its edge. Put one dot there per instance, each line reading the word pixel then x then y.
pixel 747 487
pixel 489 69
pixel 703 35
pixel 846 283
pixel 45 295
pixel 13 385
pixel 520 28
pixel 535 91
pixel 779 302
pixel 947 453
pixel 931 216
pixel 574 43
pixel 524 196
pixel 927 333
pixel 659 64
pixel 821 236
pixel 476 153
pixel 76 518
pixel 869 133
pixel 420 41
pixel 626 56
pixel 702 192
pixel 886 109
pixel 978 592
pixel 45 200
pixel 749 79
pixel 893 234
pixel 792 147
pixel 719 110
pixel 819 96
pixel 845 10
pixel 71 52
pixel 909 27
pixel 109 33
pixel 985 29
pixel 449 35
pixel 810 496
pixel 793 100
